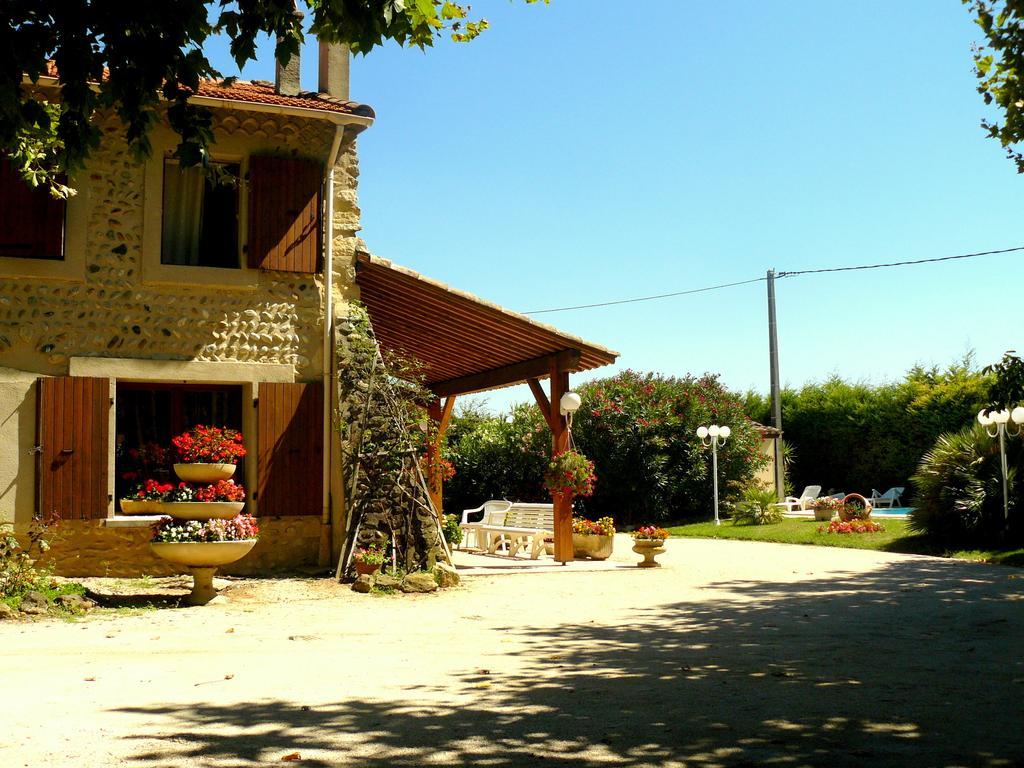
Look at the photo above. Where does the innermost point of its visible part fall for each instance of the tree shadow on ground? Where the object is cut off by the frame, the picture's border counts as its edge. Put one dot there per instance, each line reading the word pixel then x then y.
pixel 911 664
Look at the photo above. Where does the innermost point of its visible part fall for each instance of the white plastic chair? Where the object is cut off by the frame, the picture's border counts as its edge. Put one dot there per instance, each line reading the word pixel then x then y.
pixel 489 513
pixel 888 499
pixel 801 502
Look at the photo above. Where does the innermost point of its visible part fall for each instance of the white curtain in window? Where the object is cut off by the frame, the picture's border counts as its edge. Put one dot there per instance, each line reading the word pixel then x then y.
pixel 183 215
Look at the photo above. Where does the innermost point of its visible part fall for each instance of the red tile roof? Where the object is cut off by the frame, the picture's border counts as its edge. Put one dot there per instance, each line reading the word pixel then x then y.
pixel 260 92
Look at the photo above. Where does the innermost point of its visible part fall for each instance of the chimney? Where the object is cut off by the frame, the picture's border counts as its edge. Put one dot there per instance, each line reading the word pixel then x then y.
pixel 333 79
pixel 287 78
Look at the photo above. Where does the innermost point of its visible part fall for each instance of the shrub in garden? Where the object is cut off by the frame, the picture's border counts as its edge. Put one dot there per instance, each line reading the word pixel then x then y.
pixel 452 531
pixel 959 497
pixel 639 430
pixel 757 506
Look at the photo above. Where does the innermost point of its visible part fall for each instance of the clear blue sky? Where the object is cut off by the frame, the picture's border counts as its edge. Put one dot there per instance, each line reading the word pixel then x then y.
pixel 579 152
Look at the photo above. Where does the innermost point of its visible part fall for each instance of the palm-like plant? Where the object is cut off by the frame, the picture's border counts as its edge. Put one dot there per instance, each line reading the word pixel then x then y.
pixel 757 506
pixel 959 489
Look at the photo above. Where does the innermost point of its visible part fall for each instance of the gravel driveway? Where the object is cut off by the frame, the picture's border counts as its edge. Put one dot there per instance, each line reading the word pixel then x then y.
pixel 734 653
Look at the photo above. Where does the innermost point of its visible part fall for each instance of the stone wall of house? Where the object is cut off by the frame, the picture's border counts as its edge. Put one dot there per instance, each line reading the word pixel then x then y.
pixel 108 311
pixel 88 548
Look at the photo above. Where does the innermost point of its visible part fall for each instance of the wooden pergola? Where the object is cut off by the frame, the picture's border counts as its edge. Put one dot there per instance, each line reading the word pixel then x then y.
pixel 466 345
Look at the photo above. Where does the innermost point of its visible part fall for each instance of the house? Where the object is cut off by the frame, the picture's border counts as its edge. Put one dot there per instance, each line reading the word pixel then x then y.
pixel 157 298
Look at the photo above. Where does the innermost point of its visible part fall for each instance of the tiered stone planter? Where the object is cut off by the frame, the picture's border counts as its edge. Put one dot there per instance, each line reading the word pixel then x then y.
pixel 202 558
pixel 648 549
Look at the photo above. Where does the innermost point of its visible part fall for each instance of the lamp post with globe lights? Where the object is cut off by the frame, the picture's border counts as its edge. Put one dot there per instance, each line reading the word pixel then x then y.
pixel 714 436
pixel 999 421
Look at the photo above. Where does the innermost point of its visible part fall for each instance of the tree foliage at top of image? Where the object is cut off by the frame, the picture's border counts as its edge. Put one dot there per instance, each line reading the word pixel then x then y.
pixel 131 56
pixel 999 67
pixel 1007 388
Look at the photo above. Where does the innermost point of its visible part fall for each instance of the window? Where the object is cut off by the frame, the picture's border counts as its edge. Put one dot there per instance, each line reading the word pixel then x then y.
pixel 31 220
pixel 200 216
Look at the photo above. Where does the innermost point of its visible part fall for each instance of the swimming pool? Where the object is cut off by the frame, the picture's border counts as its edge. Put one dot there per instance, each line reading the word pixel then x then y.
pixel 897 512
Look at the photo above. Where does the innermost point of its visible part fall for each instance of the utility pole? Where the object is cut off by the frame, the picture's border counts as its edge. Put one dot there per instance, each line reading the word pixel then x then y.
pixel 773 360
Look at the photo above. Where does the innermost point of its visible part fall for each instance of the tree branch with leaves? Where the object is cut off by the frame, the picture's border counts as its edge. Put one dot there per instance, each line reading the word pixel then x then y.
pixel 134 57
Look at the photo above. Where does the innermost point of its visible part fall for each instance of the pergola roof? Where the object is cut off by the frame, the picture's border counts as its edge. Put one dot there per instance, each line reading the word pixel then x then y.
pixel 466 344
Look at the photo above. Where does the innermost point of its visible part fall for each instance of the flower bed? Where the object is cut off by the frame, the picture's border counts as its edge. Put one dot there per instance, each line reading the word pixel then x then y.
pixel 239 528
pixel 604 526
pixel 851 526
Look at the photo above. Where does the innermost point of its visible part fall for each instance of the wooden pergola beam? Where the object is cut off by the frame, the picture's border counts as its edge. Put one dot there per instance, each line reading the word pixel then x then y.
pixel 509 374
pixel 441 414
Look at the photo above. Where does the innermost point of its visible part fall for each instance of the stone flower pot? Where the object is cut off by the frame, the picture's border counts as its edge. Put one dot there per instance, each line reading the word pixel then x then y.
pixel 823 515
pixel 200 510
pixel 595 547
pixel 135 506
pixel 366 569
pixel 648 549
pixel 204 473
pixel 202 558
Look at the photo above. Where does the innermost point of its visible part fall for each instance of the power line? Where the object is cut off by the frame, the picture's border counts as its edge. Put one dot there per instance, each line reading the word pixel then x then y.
pixel 648 298
pixel 897 263
pixel 778 276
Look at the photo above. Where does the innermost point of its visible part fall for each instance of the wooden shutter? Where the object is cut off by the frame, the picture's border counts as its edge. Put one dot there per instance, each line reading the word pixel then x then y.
pixel 31 221
pixel 284 214
pixel 290 448
pixel 72 438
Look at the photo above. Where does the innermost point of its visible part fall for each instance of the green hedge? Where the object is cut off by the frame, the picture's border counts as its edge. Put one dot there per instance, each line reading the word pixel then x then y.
pixel 852 437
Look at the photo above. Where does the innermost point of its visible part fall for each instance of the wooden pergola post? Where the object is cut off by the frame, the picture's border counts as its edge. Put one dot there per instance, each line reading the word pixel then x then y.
pixel 550 407
pixel 440 414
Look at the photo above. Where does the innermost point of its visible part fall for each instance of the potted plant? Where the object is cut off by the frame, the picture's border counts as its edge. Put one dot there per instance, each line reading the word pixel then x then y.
pixel 647 542
pixel 145 497
pixel 221 500
pixel 826 507
pixel 593 539
pixel 202 546
pixel 854 507
pixel 570 473
pixel 368 559
pixel 207 454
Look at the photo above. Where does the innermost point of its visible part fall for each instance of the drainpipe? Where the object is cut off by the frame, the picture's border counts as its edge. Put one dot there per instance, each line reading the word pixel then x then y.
pixel 328 350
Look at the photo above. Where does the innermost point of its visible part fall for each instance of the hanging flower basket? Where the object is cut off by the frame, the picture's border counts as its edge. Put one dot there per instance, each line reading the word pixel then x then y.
pixel 570 473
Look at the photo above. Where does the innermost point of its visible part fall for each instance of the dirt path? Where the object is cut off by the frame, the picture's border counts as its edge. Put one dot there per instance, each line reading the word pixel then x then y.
pixel 734 653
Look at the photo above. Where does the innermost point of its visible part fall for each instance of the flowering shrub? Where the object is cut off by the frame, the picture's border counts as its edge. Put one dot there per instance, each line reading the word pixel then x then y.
pixel 436 468
pixel 369 555
pixel 240 528
pixel 650 533
pixel 210 445
pixel 605 526
pixel 222 490
pixel 149 490
pixel 570 472
pixel 851 526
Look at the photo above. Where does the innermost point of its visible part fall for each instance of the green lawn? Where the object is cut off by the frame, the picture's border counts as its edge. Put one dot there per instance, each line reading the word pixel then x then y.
pixel 895 538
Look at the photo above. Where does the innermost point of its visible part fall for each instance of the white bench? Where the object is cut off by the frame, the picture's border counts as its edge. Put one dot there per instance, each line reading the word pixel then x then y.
pixel 525 526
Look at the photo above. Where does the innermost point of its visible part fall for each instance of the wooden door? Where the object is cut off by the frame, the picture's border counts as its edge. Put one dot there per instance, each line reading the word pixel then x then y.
pixel 72 443
pixel 290 445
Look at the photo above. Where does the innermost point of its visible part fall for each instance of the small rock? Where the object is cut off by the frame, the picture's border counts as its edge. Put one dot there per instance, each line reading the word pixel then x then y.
pixel 34 603
pixel 419 582
pixel 6 612
pixel 387 581
pixel 75 603
pixel 446 576
pixel 363 584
